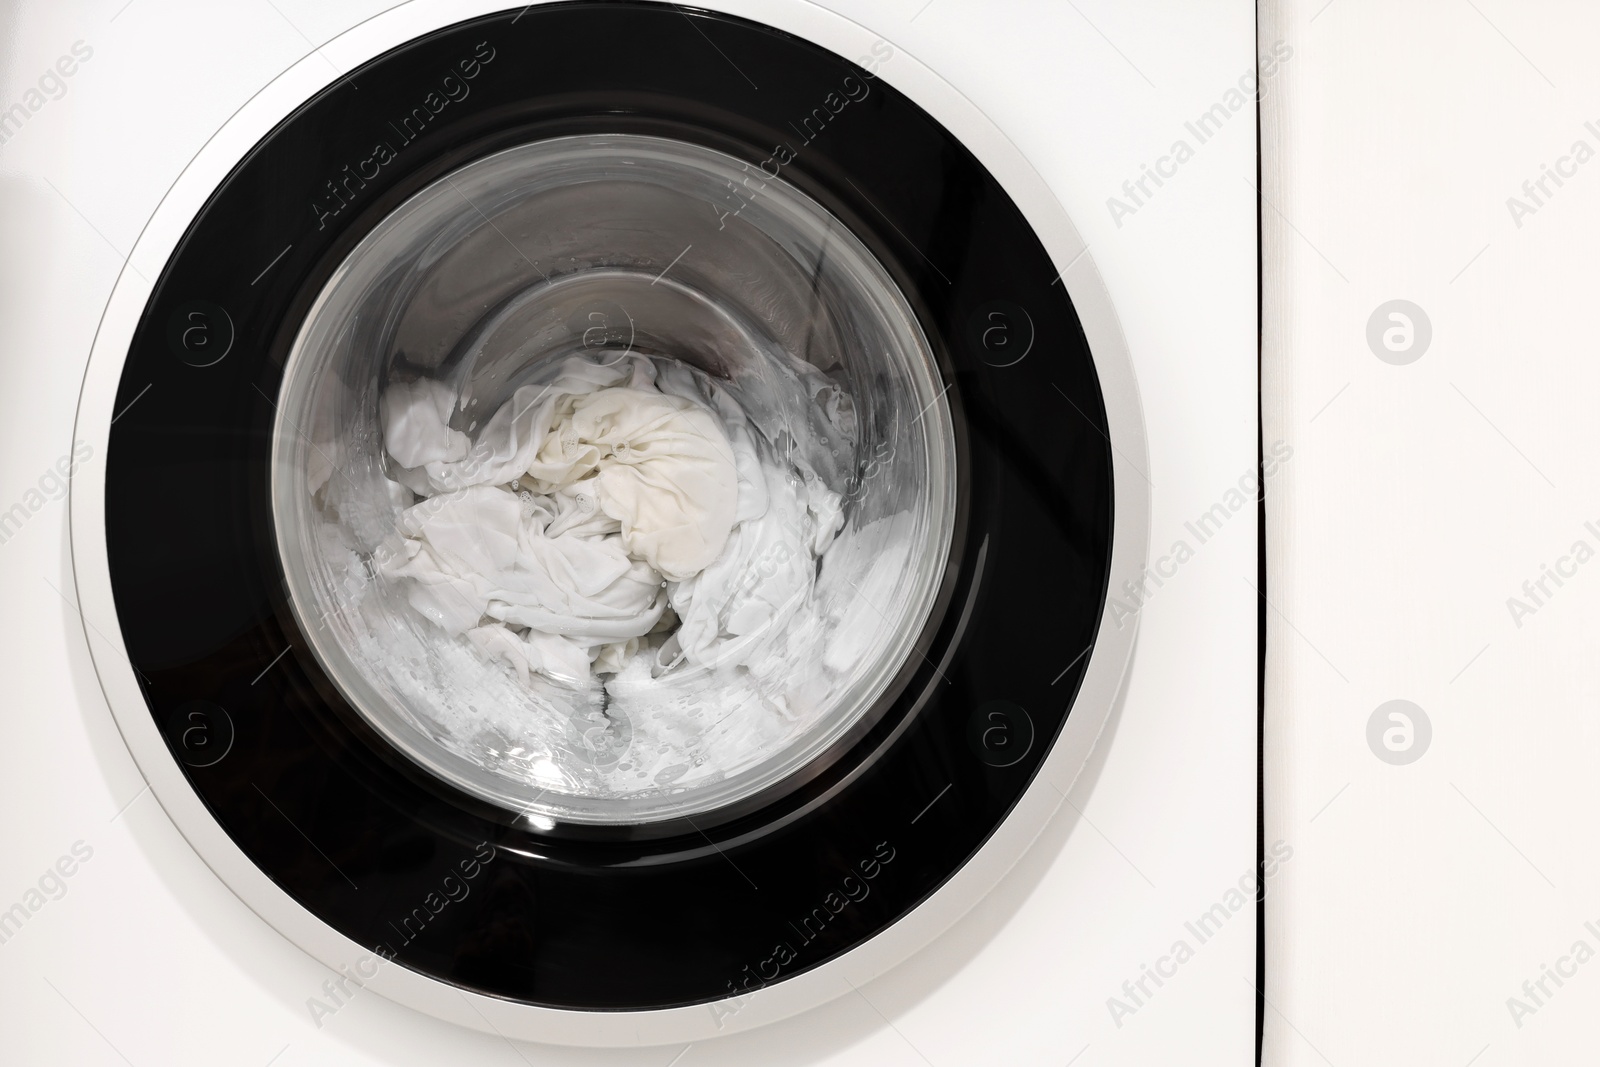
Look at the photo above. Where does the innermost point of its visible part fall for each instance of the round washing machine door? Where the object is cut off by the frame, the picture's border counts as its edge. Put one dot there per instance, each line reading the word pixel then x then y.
pixel 601 535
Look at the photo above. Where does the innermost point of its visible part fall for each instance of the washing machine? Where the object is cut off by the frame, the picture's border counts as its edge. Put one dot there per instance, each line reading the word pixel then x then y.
pixel 609 531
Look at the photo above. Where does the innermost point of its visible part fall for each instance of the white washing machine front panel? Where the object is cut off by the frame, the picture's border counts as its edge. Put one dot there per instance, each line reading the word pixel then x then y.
pixel 1035 966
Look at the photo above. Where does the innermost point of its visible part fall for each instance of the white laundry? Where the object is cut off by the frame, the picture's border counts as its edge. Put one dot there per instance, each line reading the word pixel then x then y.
pixel 627 556
pixel 660 464
pixel 484 551
pixel 506 445
pixel 416 424
pixel 558 657
pixel 761 580
pixel 557 538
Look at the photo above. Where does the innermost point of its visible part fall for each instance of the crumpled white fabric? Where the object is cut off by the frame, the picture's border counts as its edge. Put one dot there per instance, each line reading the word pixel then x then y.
pixel 636 487
pixel 416 424
pixel 661 466
pixel 485 551
pixel 765 574
pixel 548 654
pixel 660 463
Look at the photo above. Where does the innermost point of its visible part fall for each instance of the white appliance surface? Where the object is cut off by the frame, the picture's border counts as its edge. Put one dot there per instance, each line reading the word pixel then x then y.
pixel 140 955
pixel 1434 538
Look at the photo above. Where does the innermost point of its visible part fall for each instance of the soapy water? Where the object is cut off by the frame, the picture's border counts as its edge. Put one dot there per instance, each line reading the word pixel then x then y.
pixel 632 578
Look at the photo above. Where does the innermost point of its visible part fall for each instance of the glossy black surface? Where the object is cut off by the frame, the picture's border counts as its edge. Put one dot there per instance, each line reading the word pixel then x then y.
pixel 407 866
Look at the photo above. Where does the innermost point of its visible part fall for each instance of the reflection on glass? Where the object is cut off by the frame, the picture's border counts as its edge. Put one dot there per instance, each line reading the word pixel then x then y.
pixel 613 479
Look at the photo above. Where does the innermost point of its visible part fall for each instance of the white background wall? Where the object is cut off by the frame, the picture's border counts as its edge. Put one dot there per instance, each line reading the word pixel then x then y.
pixel 1421 497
